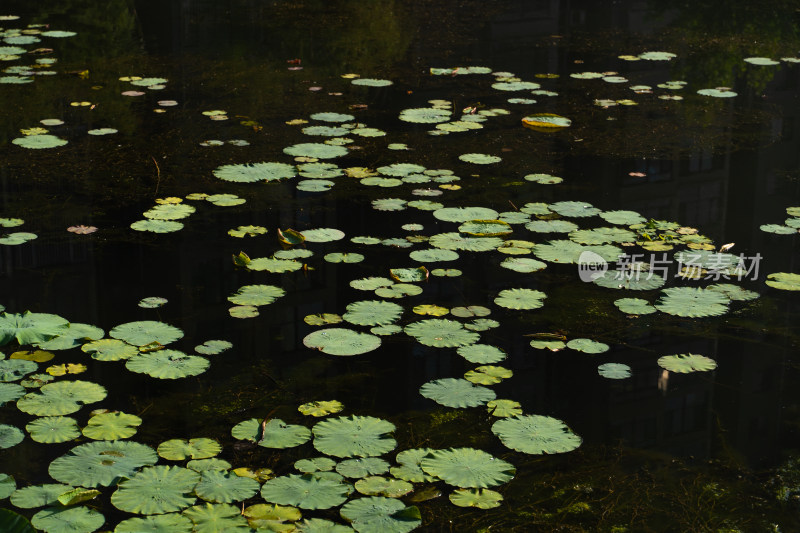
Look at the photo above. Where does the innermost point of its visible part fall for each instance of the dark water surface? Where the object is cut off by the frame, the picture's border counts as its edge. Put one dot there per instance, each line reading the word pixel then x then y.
pixel 661 451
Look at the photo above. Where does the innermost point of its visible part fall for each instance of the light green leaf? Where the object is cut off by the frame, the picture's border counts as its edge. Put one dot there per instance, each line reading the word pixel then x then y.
pixel 156 490
pixel 536 434
pixel 468 467
pixel 168 364
pixel 341 341
pixel 112 426
pixel 455 392
pixel 684 363
pixel 225 487
pixel 197 448
pixel 101 463
pixel 53 429
pixel 145 332
pixel 305 492
pixel 353 436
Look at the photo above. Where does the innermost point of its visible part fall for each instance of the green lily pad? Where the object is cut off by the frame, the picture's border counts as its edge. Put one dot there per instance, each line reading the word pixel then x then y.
pixel 212 518
pixel 718 92
pixel 602 236
pixel 563 251
pixel 432 255
pixel 634 306
pixel 73 336
pixel 320 525
pixel 377 515
pixel 341 341
pixel 305 492
pixel 339 257
pixel 332 117
pixel 168 364
pixel 197 448
pixel 321 408
pixel 157 226
pixel 317 150
pixel 692 302
pixel 101 463
pixel 410 469
pixel 684 363
pixel 34 496
pixel 353 436
pixel 383 486
pixel 614 370
pixel 68 520
pixel 464 214
pixel 213 347
pixel 784 281
pixel 551 226
pixel 441 333
pixel 38 142
pixel 10 436
pixel 480 498
pixel 323 234
pixel 19 237
pixel 274 434
pixel 165 523
pixel 488 375
pixel 625 218
pixel 31 328
pixel 372 312
pixel 225 487
pixel 256 295
pixel 274 265
pixel 389 204
pixel 53 429
pixel 112 426
pixel 7 486
pixel 61 398
pixel 504 408
pixel 480 159
pixel 587 346
pixel 169 211
pixel 16 369
pixel 536 434
pixel 520 299
pixel 574 209
pixel 371 82
pixel 425 115
pixel 523 264
pixel 110 350
pixel 362 467
pixel 468 467
pixel 634 280
pixel 10 392
pixel 156 490
pixel 455 392
pixel 484 354
pixel 212 463
pixel 400 169
pixel 316 464
pixel 146 332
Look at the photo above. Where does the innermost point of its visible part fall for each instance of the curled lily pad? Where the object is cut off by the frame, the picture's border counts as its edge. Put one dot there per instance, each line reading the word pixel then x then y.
pixel 536 434
pixel 468 467
pixel 441 333
pixel 101 463
pixel 31 328
pixel 274 433
pixel 145 332
pixel 341 341
pixel 354 436
pixel 156 490
pixel 305 492
pixel 197 448
pixel 455 392
pixel 684 363
pixel 168 364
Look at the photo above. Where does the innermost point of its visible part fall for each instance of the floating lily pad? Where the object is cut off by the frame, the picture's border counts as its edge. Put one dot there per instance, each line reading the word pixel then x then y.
pixel 145 332
pixel 316 464
pixel 634 280
pixel 53 429
pixel 523 264
pixel 480 159
pixel 317 150
pixel 587 346
pixel 305 492
pixel 634 306
pixel 425 115
pixel 225 487
pixel 468 467
pixel 332 117
pixel 16 369
pixel 110 350
pixel 544 179
pixel 270 264
pixel 377 515
pixel 275 433
pixel 165 523
pixel 536 434
pixel 10 392
pixel 31 328
pixel 168 364
pixel 7 486
pixel 784 281
pixel 480 498
pixel 455 392
pixel 487 375
pixel 354 436
pixel 34 496
pixel 101 463
pixel 79 519
pixel 372 312
pixel 626 218
pixel 169 211
pixel 482 353
pixel 719 92
pixel 197 448
pixel 362 467
pixel 684 363
pixel 156 490
pixel 157 226
pixel 321 408
pixel 441 333
pixel 213 347
pixel 563 251
pixel 574 209
pixel 504 408
pixel 614 370
pixel 341 341
pixel 692 302
pixel 61 398
pixel 323 234
pixel 256 295
pixel 432 255
pixel 38 142
pixel 520 299
pixel 10 436
pixel 112 426
pixel 320 525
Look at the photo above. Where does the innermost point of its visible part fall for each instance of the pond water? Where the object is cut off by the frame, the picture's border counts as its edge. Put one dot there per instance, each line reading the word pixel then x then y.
pixel 196 96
